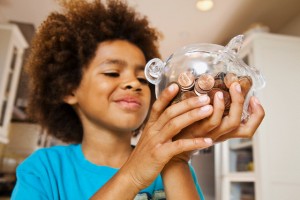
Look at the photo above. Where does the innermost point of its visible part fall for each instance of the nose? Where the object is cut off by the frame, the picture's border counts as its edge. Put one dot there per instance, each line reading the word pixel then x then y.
pixel 132 84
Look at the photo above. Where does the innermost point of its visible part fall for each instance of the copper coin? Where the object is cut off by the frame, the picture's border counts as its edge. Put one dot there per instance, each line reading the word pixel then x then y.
pixel 186 80
pixel 219 83
pixel 220 75
pixel 205 82
pixel 227 99
pixel 212 93
pixel 187 94
pixel 230 78
pixel 246 84
pixel 226 96
pixel 198 91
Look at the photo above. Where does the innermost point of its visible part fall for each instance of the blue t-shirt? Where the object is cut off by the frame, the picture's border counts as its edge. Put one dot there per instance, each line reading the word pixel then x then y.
pixel 62 172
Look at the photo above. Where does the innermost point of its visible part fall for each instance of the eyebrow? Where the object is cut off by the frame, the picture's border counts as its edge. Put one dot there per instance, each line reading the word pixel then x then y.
pixel 114 61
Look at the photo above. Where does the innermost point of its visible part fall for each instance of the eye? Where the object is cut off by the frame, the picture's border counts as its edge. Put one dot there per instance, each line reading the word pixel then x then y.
pixel 143 80
pixel 112 74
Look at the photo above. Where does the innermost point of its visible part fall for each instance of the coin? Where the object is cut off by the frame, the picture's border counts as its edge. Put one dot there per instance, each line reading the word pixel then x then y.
pixel 186 80
pixel 205 82
pixel 219 83
pixel 230 78
pixel 220 75
pixel 198 90
pixel 226 96
pixel 212 93
pixel 227 99
pixel 187 94
pixel 246 84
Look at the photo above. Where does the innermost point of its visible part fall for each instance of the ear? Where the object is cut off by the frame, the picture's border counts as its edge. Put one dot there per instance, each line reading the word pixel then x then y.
pixel 70 99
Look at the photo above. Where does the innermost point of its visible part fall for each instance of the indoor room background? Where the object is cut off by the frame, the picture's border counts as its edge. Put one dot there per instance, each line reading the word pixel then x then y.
pixel 265 167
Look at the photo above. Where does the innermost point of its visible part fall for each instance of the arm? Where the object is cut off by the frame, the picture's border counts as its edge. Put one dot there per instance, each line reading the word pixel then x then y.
pixel 179 182
pixel 118 187
pixel 155 147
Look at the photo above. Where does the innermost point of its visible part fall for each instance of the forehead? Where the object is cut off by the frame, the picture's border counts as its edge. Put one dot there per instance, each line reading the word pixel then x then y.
pixel 120 49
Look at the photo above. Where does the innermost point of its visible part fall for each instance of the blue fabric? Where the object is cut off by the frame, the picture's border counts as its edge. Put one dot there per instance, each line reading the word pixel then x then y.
pixel 62 172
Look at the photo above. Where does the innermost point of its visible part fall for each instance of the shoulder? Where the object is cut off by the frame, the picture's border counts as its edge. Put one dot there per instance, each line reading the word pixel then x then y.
pixel 44 156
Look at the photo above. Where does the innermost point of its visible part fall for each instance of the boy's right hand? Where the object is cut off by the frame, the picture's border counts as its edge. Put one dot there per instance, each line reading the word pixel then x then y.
pixel 155 147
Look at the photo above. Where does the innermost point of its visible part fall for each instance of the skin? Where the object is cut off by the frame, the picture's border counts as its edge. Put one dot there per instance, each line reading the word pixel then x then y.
pixel 113 99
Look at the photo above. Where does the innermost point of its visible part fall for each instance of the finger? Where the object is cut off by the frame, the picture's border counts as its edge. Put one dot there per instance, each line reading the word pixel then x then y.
pixel 175 125
pixel 248 129
pixel 181 108
pixel 233 119
pixel 237 102
pixel 163 101
pixel 174 148
pixel 216 118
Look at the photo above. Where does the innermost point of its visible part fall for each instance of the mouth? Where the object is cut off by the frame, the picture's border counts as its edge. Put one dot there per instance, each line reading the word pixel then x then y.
pixel 129 103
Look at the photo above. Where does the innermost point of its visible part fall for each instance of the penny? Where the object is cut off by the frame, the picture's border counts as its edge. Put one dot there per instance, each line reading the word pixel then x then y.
pixel 226 96
pixel 227 99
pixel 212 93
pixel 220 75
pixel 230 78
pixel 186 80
pixel 198 90
pixel 219 83
pixel 187 94
pixel 246 84
pixel 205 82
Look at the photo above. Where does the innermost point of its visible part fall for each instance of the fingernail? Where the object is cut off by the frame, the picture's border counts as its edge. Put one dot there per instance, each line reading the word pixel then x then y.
pixel 205 108
pixel 203 98
pixel 208 140
pixel 220 95
pixel 256 100
pixel 238 87
pixel 172 87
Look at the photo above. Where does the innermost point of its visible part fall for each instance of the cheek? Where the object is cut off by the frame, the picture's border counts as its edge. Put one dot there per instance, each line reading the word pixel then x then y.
pixel 147 99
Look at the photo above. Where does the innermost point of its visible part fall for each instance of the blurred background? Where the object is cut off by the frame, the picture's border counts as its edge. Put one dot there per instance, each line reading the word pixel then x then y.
pixel 265 167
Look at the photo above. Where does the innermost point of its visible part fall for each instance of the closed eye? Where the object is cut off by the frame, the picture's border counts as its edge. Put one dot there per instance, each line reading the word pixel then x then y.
pixel 143 81
pixel 112 74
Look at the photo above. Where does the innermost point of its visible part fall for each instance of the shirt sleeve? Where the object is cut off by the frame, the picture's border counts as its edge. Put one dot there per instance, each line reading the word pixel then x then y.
pixel 28 187
pixel 32 180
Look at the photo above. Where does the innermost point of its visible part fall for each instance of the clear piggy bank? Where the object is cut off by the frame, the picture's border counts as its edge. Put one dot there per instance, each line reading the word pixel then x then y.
pixel 204 69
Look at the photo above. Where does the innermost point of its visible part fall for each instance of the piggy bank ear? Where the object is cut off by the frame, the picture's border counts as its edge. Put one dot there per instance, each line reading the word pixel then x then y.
pixel 154 70
pixel 235 44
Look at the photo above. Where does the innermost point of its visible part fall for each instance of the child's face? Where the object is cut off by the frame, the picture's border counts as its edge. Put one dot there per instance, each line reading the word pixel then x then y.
pixel 113 93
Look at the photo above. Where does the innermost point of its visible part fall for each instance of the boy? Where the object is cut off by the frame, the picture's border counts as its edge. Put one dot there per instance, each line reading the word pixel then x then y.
pixel 88 88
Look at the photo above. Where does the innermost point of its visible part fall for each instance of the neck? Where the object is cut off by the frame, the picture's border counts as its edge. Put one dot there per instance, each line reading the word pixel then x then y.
pixel 106 148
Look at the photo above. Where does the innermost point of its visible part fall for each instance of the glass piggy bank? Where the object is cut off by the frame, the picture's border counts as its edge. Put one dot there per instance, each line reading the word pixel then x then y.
pixel 204 69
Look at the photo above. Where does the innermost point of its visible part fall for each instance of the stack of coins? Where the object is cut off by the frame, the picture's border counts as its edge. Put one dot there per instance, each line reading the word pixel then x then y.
pixel 208 84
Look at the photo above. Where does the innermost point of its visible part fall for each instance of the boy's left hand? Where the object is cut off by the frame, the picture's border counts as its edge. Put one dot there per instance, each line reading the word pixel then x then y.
pixel 221 128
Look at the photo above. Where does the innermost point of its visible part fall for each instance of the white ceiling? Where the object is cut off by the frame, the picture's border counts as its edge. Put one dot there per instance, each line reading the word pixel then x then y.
pixel 179 20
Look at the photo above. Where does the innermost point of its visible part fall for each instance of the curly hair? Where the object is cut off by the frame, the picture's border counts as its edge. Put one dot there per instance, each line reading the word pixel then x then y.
pixel 64 44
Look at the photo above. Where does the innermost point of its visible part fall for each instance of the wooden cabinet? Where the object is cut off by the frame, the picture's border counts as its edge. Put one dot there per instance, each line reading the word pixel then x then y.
pixel 12 46
pixel 268 166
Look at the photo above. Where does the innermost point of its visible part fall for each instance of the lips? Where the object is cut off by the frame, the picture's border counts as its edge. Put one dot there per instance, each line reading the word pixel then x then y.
pixel 129 103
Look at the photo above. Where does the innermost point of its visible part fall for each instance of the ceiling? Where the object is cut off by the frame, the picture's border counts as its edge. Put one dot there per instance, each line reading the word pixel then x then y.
pixel 179 20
